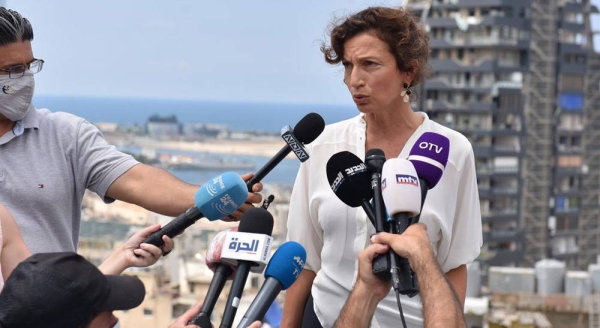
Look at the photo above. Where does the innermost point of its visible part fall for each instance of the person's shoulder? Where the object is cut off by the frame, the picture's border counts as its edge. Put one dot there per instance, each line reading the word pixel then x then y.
pixel 460 146
pixel 58 117
pixel 61 122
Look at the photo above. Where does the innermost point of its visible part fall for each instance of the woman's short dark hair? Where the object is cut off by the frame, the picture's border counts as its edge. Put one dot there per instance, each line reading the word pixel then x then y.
pixel 14 27
pixel 399 29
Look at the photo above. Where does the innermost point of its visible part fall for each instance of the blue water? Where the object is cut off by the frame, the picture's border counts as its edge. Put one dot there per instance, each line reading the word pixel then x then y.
pixel 283 174
pixel 238 116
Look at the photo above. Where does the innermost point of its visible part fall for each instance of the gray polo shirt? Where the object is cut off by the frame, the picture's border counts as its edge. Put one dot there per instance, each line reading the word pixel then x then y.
pixel 46 164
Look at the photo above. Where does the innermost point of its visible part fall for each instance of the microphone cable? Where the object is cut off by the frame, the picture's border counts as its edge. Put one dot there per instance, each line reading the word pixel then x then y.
pixel 400 308
pixel 393 230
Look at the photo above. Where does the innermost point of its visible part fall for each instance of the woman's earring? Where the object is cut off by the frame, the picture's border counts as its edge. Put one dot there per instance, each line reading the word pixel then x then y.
pixel 406 93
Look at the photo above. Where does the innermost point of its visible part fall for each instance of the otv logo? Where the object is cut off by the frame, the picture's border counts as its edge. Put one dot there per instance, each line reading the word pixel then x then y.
pixel 430 146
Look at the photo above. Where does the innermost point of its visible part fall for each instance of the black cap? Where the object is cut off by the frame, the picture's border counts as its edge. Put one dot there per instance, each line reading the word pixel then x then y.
pixel 63 290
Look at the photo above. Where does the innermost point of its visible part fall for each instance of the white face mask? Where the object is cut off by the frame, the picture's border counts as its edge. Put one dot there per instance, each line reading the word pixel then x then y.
pixel 16 96
pixel 117 325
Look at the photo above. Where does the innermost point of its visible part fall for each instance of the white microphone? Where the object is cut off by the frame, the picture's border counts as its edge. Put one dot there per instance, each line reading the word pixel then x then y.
pixel 244 246
pixel 401 192
pixel 247 249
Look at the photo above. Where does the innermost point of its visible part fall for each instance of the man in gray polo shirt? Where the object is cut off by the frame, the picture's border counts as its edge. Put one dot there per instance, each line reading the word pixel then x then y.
pixel 48 160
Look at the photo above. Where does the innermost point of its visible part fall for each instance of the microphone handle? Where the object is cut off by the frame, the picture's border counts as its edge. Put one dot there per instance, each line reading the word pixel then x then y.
pixel 424 189
pixel 402 279
pixel 235 293
pixel 381 263
pixel 222 272
pixel 263 171
pixel 369 210
pixel 175 227
pixel 266 295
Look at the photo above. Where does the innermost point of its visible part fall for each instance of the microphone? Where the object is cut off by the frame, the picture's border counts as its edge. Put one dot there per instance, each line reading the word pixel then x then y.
pixel 218 197
pixel 248 249
pixel 305 132
pixel 375 158
pixel 350 180
pixel 282 271
pixel 400 189
pixel 222 273
pixel 429 156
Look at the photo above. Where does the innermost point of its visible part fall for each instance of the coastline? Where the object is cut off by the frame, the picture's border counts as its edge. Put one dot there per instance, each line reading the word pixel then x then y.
pixel 267 148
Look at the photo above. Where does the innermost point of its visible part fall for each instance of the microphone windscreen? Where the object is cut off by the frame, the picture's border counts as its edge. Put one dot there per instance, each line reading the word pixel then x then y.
pixel 400 187
pixel 429 155
pixel 309 128
pixel 375 152
pixel 287 263
pixel 221 195
pixel 349 178
pixel 213 253
pixel 257 220
pixel 374 158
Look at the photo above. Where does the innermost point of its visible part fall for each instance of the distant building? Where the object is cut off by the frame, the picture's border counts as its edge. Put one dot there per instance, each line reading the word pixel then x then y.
pixel 163 126
pixel 521 80
pixel 209 130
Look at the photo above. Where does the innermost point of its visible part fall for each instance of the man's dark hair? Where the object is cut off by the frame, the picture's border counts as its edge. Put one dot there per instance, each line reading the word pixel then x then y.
pixel 14 27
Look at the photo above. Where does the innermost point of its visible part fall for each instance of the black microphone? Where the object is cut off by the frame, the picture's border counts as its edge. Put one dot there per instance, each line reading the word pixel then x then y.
pixel 375 158
pixel 282 271
pixel 249 249
pixel 305 132
pixel 223 271
pixel 350 180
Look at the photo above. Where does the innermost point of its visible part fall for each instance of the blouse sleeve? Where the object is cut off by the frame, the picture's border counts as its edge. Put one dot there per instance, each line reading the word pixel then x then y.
pixel 464 244
pixel 303 227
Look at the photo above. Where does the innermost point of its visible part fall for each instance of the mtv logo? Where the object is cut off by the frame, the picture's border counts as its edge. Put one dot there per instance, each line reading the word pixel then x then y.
pixel 407 179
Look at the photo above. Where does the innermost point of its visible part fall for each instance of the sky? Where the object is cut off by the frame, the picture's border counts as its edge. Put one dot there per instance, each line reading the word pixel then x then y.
pixel 228 50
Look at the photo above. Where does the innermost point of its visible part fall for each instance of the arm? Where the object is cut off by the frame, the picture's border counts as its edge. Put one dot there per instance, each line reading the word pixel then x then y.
pixel 159 191
pixel 130 255
pixel 368 291
pixel 295 299
pixel 458 280
pixel 14 250
pixel 441 307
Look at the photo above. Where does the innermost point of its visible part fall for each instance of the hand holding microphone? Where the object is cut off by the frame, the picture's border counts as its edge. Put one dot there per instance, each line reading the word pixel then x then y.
pixel 218 197
pixel 222 272
pixel 423 170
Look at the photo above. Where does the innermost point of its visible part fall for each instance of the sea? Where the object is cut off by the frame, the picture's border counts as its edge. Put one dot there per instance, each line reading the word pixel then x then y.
pixel 239 116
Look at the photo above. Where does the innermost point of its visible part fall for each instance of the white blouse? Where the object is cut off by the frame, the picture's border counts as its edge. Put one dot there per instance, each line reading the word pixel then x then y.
pixel 333 233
